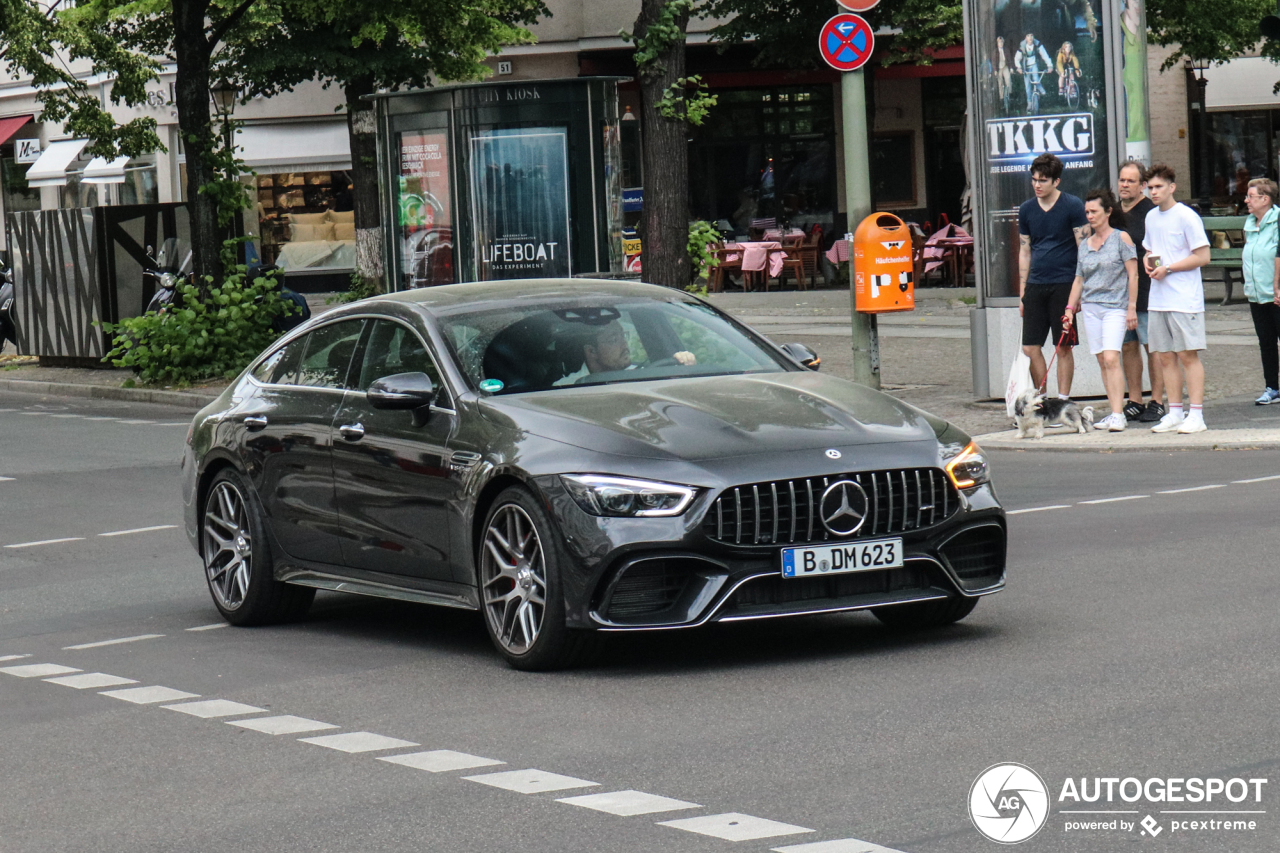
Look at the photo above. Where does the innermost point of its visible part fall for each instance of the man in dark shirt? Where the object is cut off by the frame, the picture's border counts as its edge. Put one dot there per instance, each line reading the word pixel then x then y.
pixel 1135 204
pixel 1050 227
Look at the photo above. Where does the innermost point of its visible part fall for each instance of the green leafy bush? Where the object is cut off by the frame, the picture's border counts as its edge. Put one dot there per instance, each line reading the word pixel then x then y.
pixel 702 237
pixel 215 333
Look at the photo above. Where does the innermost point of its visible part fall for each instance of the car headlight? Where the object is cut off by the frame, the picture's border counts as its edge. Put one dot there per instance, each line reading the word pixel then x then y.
pixel 965 465
pixel 622 497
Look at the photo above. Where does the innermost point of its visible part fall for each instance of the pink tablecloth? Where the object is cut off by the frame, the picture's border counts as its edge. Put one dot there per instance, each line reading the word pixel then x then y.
pixel 756 255
pixel 839 252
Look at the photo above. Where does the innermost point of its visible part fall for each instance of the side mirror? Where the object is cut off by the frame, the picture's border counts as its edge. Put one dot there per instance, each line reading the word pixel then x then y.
pixel 403 392
pixel 803 354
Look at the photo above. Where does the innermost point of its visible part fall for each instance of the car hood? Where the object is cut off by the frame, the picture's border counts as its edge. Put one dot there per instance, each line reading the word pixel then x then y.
pixel 716 417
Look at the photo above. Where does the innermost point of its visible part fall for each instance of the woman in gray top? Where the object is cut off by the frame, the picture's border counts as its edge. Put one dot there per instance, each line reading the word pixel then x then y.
pixel 1105 294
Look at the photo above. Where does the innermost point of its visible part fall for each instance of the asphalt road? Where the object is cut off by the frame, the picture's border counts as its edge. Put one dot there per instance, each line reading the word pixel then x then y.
pixel 1137 638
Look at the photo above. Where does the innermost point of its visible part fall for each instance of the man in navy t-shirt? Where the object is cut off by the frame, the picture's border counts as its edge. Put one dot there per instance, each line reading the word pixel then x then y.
pixel 1050 226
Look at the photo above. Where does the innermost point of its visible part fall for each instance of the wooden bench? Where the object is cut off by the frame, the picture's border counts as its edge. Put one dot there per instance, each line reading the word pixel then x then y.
pixel 1227 260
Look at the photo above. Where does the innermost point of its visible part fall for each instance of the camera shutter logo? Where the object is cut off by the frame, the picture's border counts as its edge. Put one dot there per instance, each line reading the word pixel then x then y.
pixel 843 508
pixel 1009 803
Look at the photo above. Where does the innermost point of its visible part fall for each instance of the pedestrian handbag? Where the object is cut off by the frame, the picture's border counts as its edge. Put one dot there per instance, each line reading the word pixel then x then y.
pixel 1019 381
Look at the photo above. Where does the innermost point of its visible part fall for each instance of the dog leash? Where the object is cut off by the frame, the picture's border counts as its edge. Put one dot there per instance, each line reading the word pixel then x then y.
pixel 1044 383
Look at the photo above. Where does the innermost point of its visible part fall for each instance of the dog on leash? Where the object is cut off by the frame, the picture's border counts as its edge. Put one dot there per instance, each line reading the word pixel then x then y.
pixel 1033 412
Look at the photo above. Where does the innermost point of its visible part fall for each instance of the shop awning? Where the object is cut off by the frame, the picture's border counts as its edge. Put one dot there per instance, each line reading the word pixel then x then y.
pixel 51 169
pixel 10 126
pixel 300 147
pixel 1244 82
pixel 102 171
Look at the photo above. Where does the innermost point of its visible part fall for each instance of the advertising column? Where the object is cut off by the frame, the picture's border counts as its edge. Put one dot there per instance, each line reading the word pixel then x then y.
pixel 1040 82
pixel 426 226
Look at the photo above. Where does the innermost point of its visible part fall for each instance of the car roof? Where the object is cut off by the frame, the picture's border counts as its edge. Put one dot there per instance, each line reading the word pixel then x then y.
pixel 447 296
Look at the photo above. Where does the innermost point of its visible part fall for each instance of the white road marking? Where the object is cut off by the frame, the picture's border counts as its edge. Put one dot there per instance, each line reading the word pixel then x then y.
pixel 1192 489
pixel 210 708
pixel 842 845
pixel 139 530
pixel 212 627
pixel 530 781
pixel 33 413
pixel 66 416
pixel 628 803
pixel 14 657
pixel 137 422
pixel 102 643
pixel 149 695
pixel 90 679
pixel 6 479
pixel 102 418
pixel 735 827
pixel 38 670
pixel 45 542
pixel 175 423
pixel 358 742
pixel 1113 500
pixel 1037 509
pixel 441 760
pixel 1258 479
pixel 282 725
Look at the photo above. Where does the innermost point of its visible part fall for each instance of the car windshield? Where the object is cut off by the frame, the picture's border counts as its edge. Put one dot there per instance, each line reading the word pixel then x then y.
pixel 565 342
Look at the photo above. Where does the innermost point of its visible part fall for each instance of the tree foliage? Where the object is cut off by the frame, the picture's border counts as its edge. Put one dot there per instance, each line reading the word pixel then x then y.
pixel 1213 30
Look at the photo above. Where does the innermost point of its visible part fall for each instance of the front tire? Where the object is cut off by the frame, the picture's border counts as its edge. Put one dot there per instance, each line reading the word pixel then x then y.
pixel 521 595
pixel 925 614
pixel 237 558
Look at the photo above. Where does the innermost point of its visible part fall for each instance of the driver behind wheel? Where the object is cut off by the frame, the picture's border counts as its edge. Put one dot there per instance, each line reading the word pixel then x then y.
pixel 605 350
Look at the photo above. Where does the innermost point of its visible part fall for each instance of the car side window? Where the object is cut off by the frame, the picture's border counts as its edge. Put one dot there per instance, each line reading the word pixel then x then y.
pixel 394 348
pixel 281 367
pixel 328 356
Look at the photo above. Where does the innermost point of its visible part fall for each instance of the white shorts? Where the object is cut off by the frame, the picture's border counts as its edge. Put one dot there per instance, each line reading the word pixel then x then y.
pixel 1103 326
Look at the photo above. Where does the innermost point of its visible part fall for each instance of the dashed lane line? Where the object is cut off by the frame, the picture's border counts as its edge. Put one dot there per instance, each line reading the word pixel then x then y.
pixel 149 695
pixel 131 423
pixel 87 680
pixel 286 724
pixel 6 479
pixel 1115 500
pixel 1191 489
pixel 628 803
pixel 1037 509
pixel 843 845
pixel 1257 479
pixel 212 708
pixel 215 626
pixel 359 742
pixel 100 643
pixel 66 416
pixel 38 670
pixel 13 657
pixel 735 827
pixel 441 760
pixel 530 781
pixel 140 530
pixel 45 542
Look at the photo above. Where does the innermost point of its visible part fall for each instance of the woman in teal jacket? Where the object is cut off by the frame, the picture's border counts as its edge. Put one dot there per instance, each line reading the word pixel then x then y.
pixel 1261 275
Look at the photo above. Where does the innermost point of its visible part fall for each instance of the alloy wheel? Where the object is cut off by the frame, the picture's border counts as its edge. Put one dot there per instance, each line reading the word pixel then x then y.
pixel 513 579
pixel 228 546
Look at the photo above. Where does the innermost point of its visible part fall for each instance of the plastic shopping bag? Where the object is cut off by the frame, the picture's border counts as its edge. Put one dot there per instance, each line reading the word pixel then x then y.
pixel 1019 381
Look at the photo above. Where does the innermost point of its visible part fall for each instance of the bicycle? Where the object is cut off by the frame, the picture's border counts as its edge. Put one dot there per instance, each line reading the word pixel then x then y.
pixel 1034 91
pixel 1071 88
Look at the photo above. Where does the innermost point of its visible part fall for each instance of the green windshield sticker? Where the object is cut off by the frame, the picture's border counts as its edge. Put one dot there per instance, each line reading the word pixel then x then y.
pixel 491 386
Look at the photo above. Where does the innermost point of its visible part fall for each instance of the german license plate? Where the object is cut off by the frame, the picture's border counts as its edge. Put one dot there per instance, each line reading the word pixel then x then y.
pixel 841 558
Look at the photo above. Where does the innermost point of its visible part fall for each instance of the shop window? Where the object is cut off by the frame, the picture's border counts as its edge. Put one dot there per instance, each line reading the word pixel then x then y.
pixel 17 195
pixel 306 220
pixel 1241 147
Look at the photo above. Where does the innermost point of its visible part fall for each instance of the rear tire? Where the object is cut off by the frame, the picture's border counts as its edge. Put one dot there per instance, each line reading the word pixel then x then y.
pixel 520 566
pixel 237 558
pixel 925 614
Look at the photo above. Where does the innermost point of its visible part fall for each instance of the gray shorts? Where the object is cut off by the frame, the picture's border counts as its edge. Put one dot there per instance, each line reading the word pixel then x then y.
pixel 1174 331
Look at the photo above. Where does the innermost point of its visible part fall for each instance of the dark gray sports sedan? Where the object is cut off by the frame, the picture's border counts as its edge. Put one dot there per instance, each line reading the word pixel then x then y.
pixel 572 457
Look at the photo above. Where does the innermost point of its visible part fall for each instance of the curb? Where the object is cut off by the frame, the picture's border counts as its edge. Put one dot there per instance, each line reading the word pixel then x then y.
pixel 1044 445
pixel 186 399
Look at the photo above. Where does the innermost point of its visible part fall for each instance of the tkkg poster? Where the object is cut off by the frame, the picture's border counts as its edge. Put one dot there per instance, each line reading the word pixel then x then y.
pixel 1041 87
pixel 520 192
pixel 426 226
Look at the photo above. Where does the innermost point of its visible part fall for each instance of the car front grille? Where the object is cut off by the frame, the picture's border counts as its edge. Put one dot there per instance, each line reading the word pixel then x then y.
pixel 777 590
pixel 977 556
pixel 647 588
pixel 786 512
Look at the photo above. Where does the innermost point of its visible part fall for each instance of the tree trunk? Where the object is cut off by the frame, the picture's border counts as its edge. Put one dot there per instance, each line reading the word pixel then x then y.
pixel 362 128
pixel 665 225
pixel 191 94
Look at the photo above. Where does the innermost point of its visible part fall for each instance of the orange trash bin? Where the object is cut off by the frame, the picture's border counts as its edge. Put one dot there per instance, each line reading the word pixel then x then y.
pixel 883 272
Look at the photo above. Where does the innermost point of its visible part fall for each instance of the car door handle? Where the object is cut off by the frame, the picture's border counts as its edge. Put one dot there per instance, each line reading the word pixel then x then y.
pixel 255 422
pixel 352 432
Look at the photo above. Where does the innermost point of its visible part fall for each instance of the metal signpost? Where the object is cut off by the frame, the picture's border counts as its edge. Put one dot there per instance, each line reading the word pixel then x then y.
pixel 846 44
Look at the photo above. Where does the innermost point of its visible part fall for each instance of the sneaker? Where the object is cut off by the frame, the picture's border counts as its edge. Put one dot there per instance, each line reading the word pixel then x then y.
pixel 1117 422
pixel 1194 422
pixel 1268 397
pixel 1132 410
pixel 1103 423
pixel 1152 413
pixel 1169 423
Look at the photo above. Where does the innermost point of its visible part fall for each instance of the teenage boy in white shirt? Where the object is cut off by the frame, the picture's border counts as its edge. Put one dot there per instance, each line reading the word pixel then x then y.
pixel 1177 248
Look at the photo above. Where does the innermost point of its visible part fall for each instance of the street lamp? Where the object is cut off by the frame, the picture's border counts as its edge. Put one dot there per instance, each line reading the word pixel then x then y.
pixel 225 94
pixel 1200 66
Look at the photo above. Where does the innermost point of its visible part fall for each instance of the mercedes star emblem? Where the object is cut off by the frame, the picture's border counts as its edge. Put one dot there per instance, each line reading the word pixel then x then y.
pixel 833 454
pixel 843 508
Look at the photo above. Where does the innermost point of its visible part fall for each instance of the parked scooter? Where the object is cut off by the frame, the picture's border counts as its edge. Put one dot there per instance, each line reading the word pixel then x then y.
pixel 169 268
pixel 7 330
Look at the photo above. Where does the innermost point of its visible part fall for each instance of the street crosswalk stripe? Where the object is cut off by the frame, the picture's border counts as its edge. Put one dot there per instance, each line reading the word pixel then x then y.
pixel 358 742
pixel 86 680
pixel 38 670
pixel 440 760
pixel 842 845
pixel 149 695
pixel 530 781
pixel 210 708
pixel 628 803
pixel 286 724
pixel 101 643
pixel 735 827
